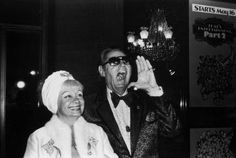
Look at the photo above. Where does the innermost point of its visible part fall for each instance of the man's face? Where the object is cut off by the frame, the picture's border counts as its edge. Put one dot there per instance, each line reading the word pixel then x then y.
pixel 70 101
pixel 117 72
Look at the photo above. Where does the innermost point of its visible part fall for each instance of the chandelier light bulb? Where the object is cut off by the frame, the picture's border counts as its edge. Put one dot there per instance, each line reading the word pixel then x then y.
pixel 141 43
pixel 168 34
pixel 144 33
pixel 135 43
pixel 160 28
pixel 130 37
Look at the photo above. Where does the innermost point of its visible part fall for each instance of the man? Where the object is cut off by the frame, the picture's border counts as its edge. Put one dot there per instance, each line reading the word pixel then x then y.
pixel 134 122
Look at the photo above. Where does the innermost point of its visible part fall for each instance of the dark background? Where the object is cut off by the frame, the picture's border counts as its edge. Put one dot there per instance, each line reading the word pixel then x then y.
pixel 75 31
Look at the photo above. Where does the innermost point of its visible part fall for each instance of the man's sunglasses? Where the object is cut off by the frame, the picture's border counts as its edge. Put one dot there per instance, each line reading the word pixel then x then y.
pixel 114 61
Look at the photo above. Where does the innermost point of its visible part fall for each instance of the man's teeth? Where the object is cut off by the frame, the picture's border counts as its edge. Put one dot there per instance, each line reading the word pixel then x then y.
pixel 121 75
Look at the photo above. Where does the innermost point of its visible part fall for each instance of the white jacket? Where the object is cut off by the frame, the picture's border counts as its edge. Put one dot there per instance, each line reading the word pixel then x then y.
pixel 54 141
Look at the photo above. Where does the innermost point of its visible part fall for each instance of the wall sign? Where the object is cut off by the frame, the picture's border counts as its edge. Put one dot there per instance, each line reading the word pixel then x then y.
pixel 212 45
pixel 213 10
pixel 214 31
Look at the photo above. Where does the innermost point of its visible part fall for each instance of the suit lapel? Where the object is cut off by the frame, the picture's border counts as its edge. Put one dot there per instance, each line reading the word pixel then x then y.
pixel 106 114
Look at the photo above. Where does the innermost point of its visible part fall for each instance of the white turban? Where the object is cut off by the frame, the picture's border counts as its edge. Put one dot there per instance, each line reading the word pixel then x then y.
pixel 52 87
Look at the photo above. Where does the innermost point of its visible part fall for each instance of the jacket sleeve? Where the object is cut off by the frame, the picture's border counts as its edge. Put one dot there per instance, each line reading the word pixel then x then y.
pixel 169 123
pixel 31 147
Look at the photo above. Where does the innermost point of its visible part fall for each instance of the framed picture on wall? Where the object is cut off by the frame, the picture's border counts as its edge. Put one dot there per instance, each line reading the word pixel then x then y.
pixel 210 142
pixel 212 52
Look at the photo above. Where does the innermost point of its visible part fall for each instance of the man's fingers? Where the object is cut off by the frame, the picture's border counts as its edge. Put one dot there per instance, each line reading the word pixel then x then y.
pixel 139 60
pixel 144 63
pixel 148 64
pixel 138 66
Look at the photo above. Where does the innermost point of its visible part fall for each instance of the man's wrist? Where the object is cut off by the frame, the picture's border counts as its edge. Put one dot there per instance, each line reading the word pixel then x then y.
pixel 156 91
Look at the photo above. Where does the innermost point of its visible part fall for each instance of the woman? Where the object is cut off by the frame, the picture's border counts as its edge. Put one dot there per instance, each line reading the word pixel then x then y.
pixel 67 134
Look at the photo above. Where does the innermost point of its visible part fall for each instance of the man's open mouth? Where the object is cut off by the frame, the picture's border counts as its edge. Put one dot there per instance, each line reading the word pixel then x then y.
pixel 121 75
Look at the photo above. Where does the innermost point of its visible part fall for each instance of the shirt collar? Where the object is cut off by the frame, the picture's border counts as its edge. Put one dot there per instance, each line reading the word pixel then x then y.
pixel 109 91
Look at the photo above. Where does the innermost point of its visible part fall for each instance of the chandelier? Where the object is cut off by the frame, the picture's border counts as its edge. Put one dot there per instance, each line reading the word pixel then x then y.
pixel 154 42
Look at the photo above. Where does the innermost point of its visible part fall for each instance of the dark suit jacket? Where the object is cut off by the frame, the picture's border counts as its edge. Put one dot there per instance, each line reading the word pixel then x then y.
pixel 233 143
pixel 149 118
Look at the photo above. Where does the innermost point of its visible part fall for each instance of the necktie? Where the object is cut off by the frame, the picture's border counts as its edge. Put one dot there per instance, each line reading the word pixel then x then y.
pixel 116 99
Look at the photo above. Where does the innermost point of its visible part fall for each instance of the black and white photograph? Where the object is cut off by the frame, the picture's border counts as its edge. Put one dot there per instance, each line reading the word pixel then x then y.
pixel 118 78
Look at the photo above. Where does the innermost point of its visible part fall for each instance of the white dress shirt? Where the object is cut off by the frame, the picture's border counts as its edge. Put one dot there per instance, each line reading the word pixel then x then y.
pixel 122 117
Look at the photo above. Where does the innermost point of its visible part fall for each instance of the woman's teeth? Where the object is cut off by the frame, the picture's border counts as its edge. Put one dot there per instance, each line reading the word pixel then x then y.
pixel 75 108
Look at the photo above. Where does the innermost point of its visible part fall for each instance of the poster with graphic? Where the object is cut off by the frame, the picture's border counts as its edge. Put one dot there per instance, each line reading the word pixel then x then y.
pixel 212 53
pixel 210 142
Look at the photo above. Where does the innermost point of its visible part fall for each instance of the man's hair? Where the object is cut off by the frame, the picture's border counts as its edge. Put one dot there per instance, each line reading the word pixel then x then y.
pixel 105 52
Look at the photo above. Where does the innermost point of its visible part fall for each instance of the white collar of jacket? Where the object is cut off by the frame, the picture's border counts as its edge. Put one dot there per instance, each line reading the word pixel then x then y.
pixel 60 133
